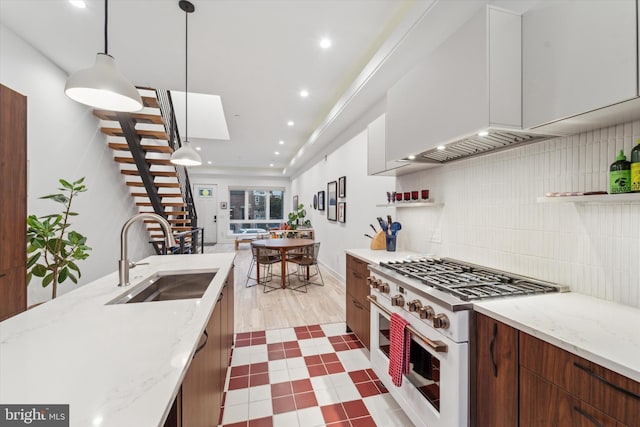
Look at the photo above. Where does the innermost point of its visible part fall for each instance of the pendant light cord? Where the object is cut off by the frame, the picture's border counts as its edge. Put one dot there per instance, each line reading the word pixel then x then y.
pixel 106 21
pixel 186 75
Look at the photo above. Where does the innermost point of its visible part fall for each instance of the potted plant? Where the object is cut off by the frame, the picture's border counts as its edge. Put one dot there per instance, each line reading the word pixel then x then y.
pixel 296 218
pixel 52 248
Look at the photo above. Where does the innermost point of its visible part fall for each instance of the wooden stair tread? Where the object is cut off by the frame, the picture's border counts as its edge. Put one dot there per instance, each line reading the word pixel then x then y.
pixel 157 184
pixel 131 161
pixel 138 117
pixel 176 195
pixel 142 133
pixel 171 221
pixel 173 227
pixel 154 173
pixel 145 147
pixel 176 204
pixel 150 102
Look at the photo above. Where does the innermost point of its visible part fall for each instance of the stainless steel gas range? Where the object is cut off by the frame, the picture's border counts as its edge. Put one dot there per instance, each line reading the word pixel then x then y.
pixel 434 296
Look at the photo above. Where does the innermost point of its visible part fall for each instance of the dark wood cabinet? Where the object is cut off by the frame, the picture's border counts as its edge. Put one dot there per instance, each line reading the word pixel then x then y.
pixel 357 305
pixel 200 399
pixel 598 395
pixel 496 388
pixel 523 381
pixel 13 202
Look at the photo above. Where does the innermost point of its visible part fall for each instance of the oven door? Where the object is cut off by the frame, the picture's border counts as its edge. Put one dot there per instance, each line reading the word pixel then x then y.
pixel 435 392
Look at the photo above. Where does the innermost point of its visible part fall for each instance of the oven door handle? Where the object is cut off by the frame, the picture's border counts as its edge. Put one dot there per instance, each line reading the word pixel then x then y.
pixel 437 346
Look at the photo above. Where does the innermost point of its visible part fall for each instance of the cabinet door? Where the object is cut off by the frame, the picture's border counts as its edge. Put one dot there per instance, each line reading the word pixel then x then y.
pixel 13 202
pixel 543 404
pixel 202 388
pixel 358 319
pixel 577 56
pixel 497 373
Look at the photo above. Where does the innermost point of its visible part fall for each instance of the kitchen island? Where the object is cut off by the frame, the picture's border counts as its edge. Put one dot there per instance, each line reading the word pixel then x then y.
pixel 114 364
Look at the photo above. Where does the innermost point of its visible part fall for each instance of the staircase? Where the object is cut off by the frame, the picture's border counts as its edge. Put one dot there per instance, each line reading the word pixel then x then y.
pixel 142 144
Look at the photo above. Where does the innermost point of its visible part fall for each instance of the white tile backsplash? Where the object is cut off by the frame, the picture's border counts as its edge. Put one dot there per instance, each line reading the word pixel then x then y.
pixel 490 215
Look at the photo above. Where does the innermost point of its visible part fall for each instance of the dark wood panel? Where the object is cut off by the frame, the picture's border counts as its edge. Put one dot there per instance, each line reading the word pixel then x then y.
pixel 13 201
pixel 496 390
pixel 201 388
pixel 544 404
pixel 546 360
pixel 606 390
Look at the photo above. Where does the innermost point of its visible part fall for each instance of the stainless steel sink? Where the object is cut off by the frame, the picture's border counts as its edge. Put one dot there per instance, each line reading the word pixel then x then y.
pixel 166 287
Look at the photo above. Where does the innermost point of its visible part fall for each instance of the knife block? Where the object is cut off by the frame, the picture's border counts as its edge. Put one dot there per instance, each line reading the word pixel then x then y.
pixel 379 241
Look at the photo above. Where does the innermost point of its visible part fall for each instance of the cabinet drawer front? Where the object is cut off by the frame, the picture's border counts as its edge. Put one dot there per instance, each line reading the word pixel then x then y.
pixel 357 265
pixel 543 404
pixel 546 360
pixel 613 393
pixel 607 391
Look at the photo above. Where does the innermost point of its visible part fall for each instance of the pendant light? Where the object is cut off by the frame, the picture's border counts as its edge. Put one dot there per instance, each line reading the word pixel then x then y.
pixel 103 86
pixel 186 155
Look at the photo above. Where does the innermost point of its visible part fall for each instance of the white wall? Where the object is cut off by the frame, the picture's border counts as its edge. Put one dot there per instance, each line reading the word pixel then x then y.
pixel 64 142
pixel 224 182
pixel 362 195
pixel 490 215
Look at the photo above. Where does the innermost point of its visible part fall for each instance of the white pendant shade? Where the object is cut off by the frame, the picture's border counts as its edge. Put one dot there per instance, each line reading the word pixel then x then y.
pixel 103 86
pixel 186 156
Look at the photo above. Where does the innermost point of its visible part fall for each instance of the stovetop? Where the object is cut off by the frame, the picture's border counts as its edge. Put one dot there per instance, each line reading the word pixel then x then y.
pixel 466 281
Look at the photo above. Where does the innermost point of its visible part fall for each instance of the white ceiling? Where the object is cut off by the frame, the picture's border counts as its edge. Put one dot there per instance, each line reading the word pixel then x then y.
pixel 256 55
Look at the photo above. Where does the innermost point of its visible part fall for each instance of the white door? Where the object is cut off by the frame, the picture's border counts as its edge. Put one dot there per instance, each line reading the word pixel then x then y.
pixel 205 198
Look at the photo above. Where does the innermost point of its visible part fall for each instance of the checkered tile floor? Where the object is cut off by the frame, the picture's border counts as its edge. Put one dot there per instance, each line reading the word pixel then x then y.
pixel 307 376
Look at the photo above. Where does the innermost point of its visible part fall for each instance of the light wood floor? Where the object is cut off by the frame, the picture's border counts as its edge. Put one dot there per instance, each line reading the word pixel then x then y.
pixel 281 308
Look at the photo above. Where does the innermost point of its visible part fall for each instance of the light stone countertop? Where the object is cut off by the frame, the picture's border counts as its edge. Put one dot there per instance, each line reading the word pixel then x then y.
pixel 115 365
pixel 376 257
pixel 600 331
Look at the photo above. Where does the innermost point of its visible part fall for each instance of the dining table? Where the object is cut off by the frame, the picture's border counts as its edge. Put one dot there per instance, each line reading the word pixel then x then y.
pixel 283 245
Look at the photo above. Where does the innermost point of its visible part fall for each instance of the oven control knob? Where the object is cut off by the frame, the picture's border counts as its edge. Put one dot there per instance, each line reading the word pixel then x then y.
pixel 397 300
pixel 414 305
pixel 441 321
pixel 427 312
pixel 383 287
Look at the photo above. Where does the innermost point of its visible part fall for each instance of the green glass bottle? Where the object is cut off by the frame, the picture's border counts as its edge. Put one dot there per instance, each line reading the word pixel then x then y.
pixel 620 175
pixel 635 168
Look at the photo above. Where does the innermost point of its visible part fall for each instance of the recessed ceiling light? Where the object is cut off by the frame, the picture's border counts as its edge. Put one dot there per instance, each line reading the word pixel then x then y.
pixel 441 147
pixel 80 4
pixel 325 43
pixel 281 142
pixel 277 153
pixel 290 123
pixel 412 157
pixel 304 93
pixel 483 133
pixel 198 148
pixel 271 164
pixel 209 162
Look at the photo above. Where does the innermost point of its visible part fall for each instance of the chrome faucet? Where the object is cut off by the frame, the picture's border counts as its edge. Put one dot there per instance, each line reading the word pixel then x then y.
pixel 124 264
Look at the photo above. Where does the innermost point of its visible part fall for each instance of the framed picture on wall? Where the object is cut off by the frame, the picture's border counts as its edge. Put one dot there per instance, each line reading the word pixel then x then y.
pixel 295 203
pixel 342 186
pixel 320 200
pixel 342 211
pixel 332 201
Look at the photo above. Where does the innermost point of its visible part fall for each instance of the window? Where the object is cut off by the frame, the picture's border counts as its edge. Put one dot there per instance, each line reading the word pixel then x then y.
pixel 258 209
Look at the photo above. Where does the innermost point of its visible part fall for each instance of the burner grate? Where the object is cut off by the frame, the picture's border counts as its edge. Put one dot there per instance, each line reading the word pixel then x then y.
pixel 467 282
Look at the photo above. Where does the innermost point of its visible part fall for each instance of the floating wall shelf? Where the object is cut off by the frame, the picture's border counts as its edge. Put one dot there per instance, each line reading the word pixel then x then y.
pixel 600 198
pixel 424 204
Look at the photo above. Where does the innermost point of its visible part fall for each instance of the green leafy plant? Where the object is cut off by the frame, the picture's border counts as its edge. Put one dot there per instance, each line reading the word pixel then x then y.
pixel 52 248
pixel 296 218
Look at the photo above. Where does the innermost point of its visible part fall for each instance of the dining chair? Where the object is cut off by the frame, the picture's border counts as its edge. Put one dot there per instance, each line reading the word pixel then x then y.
pixel 304 263
pixel 265 258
